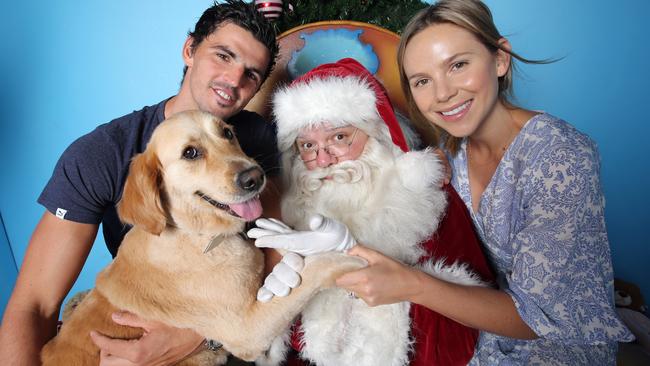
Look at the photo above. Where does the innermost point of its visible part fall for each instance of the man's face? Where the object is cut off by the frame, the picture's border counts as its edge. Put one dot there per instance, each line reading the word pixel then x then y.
pixel 323 145
pixel 225 70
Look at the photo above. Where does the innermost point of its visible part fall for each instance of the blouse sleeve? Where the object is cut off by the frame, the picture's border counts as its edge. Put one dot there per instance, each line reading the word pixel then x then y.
pixel 562 277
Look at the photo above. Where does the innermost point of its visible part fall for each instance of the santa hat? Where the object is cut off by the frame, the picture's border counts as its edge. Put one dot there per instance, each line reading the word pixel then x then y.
pixel 341 93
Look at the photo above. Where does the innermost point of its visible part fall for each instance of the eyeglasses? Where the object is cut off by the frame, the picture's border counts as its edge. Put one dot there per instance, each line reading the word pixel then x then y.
pixel 338 144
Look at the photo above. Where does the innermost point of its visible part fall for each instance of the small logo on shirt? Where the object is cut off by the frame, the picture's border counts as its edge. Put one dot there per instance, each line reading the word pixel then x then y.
pixel 60 213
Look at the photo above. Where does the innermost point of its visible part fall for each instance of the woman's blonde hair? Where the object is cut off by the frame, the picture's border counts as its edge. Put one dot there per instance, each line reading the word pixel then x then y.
pixel 473 16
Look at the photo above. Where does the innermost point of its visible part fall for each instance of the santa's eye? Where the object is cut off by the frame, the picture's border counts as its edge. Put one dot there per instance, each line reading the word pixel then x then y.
pixel 306 146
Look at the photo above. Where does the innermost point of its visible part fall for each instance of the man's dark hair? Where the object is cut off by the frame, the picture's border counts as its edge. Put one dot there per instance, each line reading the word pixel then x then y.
pixel 241 14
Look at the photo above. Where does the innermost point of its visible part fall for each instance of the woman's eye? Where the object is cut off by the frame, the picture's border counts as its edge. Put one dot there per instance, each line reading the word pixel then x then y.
pixel 227 133
pixel 420 83
pixel 191 153
pixel 458 65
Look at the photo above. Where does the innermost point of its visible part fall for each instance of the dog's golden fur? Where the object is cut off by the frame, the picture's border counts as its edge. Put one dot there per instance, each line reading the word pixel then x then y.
pixel 161 272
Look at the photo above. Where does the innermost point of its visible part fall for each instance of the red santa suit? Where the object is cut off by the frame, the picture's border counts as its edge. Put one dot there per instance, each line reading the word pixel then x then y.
pixel 391 201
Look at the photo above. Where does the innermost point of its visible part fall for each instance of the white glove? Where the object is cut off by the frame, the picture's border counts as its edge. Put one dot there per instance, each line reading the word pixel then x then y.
pixel 283 278
pixel 268 227
pixel 326 235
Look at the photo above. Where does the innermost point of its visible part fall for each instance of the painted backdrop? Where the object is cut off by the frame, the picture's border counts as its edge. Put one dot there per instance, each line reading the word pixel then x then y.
pixel 68 66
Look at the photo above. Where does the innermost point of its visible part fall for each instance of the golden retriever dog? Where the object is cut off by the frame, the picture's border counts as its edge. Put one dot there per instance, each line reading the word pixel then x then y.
pixel 184 262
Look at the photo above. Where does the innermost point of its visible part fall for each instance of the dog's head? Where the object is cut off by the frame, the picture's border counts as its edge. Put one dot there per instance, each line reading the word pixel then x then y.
pixel 193 175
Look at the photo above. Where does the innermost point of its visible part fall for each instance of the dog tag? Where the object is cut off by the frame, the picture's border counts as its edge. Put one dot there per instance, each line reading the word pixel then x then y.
pixel 214 242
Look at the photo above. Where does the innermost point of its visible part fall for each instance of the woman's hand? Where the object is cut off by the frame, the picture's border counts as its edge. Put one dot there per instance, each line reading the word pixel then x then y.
pixel 159 345
pixel 384 281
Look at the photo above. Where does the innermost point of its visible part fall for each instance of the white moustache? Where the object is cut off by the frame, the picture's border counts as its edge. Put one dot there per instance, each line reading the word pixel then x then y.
pixel 349 171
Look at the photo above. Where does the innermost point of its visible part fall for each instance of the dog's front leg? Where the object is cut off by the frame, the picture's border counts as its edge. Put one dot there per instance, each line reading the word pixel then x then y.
pixel 260 323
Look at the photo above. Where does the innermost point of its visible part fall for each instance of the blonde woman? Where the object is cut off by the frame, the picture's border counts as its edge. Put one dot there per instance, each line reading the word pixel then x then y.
pixel 531 183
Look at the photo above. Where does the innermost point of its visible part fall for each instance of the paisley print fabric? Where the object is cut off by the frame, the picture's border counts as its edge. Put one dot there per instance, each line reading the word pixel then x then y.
pixel 542 223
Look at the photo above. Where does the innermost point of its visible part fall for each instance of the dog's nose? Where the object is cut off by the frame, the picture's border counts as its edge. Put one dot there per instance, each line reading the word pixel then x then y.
pixel 250 179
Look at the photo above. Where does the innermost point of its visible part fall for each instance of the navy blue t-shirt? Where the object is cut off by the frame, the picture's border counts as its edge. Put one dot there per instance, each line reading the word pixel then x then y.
pixel 88 179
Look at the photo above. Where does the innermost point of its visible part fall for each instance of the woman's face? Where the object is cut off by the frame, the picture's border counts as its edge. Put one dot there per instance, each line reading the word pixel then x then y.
pixel 453 77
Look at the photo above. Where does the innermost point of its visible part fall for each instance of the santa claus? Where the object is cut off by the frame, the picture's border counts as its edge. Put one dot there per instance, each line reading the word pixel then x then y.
pixel 350 178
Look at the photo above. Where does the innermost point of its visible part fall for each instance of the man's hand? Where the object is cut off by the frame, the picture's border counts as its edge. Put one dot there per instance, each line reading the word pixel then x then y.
pixel 325 235
pixel 284 277
pixel 159 345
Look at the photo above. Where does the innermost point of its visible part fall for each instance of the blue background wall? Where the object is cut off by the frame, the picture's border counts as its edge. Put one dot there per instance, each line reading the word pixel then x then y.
pixel 68 66
pixel 8 270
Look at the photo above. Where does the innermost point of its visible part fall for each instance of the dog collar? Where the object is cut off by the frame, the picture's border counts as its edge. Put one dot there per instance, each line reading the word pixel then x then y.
pixel 214 242
pixel 218 239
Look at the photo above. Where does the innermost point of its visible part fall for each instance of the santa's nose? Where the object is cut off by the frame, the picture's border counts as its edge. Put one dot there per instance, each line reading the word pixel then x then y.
pixel 324 158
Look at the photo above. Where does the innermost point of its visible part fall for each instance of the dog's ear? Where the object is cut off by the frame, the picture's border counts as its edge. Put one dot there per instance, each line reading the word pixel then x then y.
pixel 141 204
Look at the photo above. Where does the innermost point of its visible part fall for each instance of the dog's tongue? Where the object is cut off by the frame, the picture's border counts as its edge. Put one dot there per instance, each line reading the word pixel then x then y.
pixel 249 210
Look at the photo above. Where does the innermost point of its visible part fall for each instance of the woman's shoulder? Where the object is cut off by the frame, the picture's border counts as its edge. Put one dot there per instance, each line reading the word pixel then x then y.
pixel 547 139
pixel 545 135
pixel 549 129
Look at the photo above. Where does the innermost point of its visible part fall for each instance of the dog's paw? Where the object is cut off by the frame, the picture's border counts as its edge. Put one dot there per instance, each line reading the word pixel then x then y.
pixel 207 358
pixel 325 268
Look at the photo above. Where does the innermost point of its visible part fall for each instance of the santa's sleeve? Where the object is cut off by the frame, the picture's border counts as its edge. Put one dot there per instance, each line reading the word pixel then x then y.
pixel 454 253
pixel 456 241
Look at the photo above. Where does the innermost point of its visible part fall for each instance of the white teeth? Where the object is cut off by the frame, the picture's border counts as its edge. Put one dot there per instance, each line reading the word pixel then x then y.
pixel 456 110
pixel 223 95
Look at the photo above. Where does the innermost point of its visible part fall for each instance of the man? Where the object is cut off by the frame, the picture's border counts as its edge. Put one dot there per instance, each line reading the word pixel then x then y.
pixel 350 179
pixel 227 57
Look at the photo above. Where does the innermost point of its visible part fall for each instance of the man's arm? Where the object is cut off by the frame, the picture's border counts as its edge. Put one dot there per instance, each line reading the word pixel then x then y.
pixel 55 256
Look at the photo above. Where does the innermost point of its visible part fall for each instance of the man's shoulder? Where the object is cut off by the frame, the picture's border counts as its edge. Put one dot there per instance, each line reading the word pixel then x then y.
pixel 257 138
pixel 152 114
pixel 252 128
pixel 130 131
pixel 120 138
pixel 245 117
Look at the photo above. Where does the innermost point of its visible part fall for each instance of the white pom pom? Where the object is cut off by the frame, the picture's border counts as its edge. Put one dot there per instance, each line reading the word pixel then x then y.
pixel 420 170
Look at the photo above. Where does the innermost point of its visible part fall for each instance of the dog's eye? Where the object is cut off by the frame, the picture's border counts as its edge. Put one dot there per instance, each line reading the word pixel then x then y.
pixel 227 133
pixel 191 153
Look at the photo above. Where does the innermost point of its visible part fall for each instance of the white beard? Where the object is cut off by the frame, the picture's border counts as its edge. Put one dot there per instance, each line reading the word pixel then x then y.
pixel 391 202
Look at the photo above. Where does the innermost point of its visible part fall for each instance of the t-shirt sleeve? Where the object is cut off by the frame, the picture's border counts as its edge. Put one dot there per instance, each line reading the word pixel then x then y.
pixel 84 180
pixel 561 279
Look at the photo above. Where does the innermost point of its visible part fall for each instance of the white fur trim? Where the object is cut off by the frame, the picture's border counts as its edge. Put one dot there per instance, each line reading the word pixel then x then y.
pixel 338 330
pixel 458 273
pixel 420 170
pixel 335 100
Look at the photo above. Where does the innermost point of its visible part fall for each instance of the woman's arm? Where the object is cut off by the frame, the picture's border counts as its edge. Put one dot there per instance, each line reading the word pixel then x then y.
pixel 387 281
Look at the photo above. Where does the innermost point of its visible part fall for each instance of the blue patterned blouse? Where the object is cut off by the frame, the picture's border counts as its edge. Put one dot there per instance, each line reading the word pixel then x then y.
pixel 542 223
